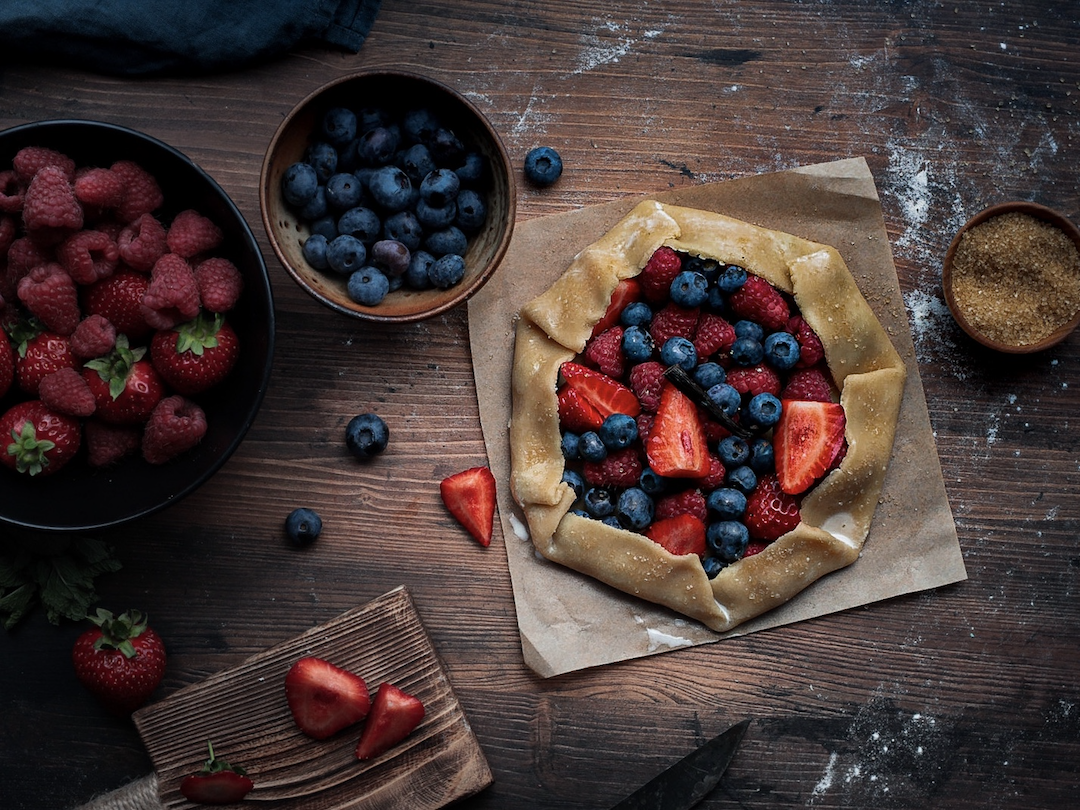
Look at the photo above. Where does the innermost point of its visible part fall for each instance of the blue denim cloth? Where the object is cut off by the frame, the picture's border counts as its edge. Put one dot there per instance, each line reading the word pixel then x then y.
pixel 145 37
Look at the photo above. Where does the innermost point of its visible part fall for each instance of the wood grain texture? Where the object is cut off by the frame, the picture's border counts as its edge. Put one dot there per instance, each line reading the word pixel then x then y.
pixel 964 697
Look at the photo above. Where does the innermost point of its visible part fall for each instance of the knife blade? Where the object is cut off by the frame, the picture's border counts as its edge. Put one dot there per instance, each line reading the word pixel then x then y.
pixel 689 780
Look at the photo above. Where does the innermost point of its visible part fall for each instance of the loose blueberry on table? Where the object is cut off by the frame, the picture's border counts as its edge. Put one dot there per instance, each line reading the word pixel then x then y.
pixel 543 166
pixel 303 526
pixel 366 435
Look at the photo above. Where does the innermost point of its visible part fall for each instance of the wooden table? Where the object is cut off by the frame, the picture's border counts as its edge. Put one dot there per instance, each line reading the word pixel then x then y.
pixel 966 696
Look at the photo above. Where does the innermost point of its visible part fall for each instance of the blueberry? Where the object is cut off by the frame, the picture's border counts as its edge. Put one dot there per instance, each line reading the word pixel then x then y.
pixel 618 431
pixel 713 566
pixel 303 526
pixel 315 208
pixel 448 240
pixel 343 191
pixel 440 187
pixel 471 211
pixel 652 482
pixel 678 351
pixel 598 502
pixel 347 160
pixel 727 540
pixel 445 147
pixel 419 125
pixel 636 313
pixel 361 222
pixel 634 508
pixel 373 116
pixel 726 397
pixel 710 268
pixel 637 344
pixel 299 183
pixel 746 351
pixel 612 521
pixel 575 482
pixel 377 146
pixel 591 447
pixel 709 374
pixel 731 278
pixel 543 166
pixel 782 350
pixel 742 478
pixel 368 286
pixel 762 456
pixel 339 125
pixel 473 169
pixel 749 329
pixel 325 226
pixel 727 503
pixel 570 445
pixel 323 158
pixel 390 256
pixel 764 409
pixel 366 435
pixel 405 228
pixel 417 162
pixel 314 251
pixel 391 188
pixel 417 276
pixel 689 289
pixel 446 271
pixel 345 254
pixel 436 218
pixel 733 451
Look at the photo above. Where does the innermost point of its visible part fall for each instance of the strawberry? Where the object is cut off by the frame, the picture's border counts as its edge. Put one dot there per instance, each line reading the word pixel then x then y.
pixel 606 395
pixel 195 355
pixel 124 383
pixel 605 352
pixel 627 291
pixel 118 299
pixel 41 440
pixel 121 660
pixel 7 363
pixel 575 412
pixel 394 715
pixel 806 441
pixel 65 391
pixel 220 284
pixel 470 497
pixel 677 447
pixel 324 698
pixel 217 783
pixel 656 277
pixel 39 356
pixel 770 512
pixel 681 534
pixel 758 300
pixel 175 426
pixel 192 233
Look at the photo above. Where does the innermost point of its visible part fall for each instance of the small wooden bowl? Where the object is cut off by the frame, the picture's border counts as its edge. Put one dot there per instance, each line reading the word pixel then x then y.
pixel 395 90
pixel 1036 211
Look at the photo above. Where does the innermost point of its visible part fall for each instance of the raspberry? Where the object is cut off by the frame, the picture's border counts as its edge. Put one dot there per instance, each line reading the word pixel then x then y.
pixel 93 337
pixel 173 295
pixel 88 256
pixel 65 391
pixel 673 321
pixel 645 422
pixel 605 352
pixel 142 242
pixel 754 547
pixel 50 295
pixel 715 476
pixel 118 299
pixel 646 380
pixel 176 424
pixel 714 430
pixel 24 255
pixel 770 512
pixel 713 334
pixel 142 194
pixel 658 273
pixel 687 502
pixel 754 380
pixel 50 210
pixel 9 230
pixel 29 160
pixel 811 352
pixel 106 444
pixel 621 468
pixel 810 384
pixel 220 284
pixel 99 189
pixel 757 300
pixel 192 233
pixel 12 191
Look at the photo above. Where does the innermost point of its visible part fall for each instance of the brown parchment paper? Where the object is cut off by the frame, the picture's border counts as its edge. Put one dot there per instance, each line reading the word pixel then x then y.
pixel 569 621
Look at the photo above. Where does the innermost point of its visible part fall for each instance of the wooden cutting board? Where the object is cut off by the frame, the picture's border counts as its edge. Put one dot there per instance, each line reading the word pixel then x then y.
pixel 243 712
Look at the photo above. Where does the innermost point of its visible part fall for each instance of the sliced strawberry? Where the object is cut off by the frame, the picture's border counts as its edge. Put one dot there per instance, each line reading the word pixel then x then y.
pixel 576 414
pixel 806 441
pixel 324 698
pixel 626 292
pixel 608 396
pixel 677 445
pixel 217 783
pixel 394 715
pixel 770 512
pixel 470 497
pixel 681 534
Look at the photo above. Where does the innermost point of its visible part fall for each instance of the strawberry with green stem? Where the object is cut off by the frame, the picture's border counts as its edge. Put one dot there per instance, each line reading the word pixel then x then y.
pixel 121 660
pixel 217 783
pixel 124 383
pixel 36 440
pixel 196 355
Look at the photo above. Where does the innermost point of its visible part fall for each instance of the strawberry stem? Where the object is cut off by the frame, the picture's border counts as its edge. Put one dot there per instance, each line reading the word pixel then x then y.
pixel 117 632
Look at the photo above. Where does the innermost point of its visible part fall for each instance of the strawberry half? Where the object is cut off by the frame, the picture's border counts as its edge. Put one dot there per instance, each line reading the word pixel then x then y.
pixel 576 413
pixel 681 534
pixel 470 497
pixel 217 783
pixel 677 445
pixel 324 698
pixel 627 291
pixel 806 441
pixel 606 395
pixel 394 715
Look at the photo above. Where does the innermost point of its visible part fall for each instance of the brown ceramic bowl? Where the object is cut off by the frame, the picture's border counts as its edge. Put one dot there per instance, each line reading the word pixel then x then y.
pixel 1036 211
pixel 395 91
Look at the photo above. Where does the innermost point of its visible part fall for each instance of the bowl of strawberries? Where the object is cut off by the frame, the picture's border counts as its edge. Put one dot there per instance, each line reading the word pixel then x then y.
pixel 137 325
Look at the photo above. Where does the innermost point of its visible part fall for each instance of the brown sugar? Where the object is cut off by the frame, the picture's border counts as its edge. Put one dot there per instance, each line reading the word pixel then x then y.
pixel 1016 278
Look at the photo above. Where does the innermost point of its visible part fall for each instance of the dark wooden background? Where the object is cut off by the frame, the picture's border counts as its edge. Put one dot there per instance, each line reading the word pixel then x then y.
pixel 965 697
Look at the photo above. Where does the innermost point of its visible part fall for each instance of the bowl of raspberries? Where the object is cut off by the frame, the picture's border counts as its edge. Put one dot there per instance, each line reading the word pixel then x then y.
pixel 137 325
pixel 387 196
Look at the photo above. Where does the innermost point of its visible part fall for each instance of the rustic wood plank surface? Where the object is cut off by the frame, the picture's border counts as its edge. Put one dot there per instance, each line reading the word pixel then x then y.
pixel 965 697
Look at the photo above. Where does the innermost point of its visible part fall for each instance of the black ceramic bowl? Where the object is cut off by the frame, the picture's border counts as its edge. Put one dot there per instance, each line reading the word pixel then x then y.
pixel 79 497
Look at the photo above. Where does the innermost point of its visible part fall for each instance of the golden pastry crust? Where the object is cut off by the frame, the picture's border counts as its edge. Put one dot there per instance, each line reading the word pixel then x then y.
pixel 836 514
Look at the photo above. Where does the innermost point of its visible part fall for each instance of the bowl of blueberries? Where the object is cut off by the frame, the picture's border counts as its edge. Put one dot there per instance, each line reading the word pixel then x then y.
pixel 387 196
